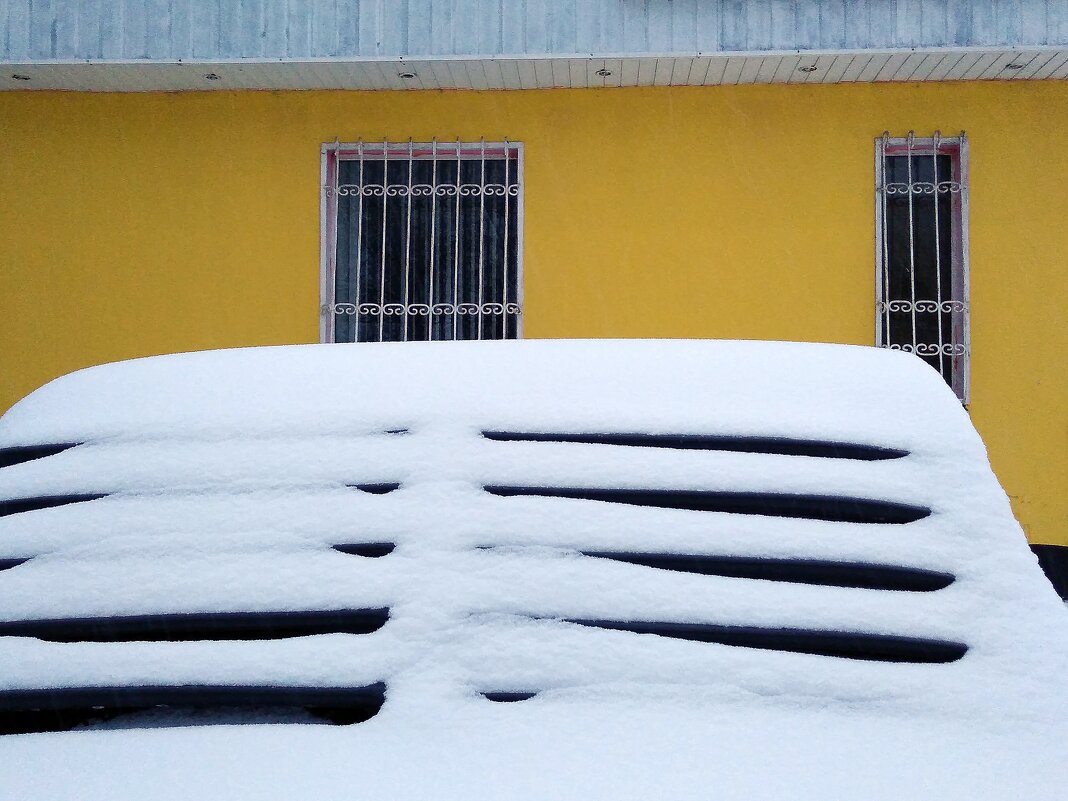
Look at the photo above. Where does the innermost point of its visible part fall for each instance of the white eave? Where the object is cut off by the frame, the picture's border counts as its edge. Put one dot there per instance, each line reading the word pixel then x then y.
pixel 543 73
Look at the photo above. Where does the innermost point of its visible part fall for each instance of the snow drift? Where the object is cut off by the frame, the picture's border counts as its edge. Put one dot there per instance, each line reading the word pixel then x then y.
pixel 697 569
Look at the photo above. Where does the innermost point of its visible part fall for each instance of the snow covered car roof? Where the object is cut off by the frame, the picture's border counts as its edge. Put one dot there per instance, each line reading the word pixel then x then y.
pixel 539 569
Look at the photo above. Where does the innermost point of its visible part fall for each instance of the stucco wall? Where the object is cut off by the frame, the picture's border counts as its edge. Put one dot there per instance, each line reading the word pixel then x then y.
pixel 145 223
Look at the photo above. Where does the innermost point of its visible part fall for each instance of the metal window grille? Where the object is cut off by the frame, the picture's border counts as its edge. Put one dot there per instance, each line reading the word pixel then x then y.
pixel 921 223
pixel 422 241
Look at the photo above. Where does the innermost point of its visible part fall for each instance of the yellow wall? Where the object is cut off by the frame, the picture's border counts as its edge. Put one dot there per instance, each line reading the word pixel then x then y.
pixel 146 223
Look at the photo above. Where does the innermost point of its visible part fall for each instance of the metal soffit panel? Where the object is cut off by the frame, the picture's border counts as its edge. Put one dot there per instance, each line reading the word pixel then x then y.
pixel 544 73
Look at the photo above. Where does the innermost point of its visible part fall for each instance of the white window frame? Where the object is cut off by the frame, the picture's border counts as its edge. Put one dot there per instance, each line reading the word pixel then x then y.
pixel 333 152
pixel 954 300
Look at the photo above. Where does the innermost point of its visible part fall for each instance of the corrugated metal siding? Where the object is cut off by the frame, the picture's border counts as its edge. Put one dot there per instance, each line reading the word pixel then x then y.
pixel 219 30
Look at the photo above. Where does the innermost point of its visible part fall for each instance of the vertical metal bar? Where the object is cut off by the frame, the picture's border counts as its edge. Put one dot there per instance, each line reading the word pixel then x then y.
pixel 456 248
pixel 504 260
pixel 336 180
pixel 965 296
pixel 359 239
pixel 407 245
pixel 481 226
pixel 433 232
pixel 882 247
pixel 519 227
pixel 382 266
pixel 327 256
pixel 938 252
pixel 912 244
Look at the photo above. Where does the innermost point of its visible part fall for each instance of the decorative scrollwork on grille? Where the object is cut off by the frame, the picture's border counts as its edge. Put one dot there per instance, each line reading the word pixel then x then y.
pixel 354 190
pixel 426 190
pixel 424 310
pixel 932 349
pixel 923 188
pixel 917 188
pixel 929 306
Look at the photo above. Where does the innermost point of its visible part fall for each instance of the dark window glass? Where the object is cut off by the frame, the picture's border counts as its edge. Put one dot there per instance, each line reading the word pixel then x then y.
pixel 920 244
pixel 427 249
pixel 923 304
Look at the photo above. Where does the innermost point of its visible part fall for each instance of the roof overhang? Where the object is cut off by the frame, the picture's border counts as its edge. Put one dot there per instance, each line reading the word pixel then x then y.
pixel 579 71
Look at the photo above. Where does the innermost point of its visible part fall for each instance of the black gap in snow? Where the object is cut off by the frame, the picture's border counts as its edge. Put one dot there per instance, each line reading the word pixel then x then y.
pixel 7 564
pixel 797 571
pixel 58 709
pixel 397 431
pixel 199 626
pixel 1054 562
pixel 814 507
pixel 848 645
pixel 16 506
pixel 701 442
pixel 370 549
pixel 376 489
pixel 508 697
pixel 27 453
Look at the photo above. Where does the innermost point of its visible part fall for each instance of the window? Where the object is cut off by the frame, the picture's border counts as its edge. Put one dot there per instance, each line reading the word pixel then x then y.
pixel 921 215
pixel 421 241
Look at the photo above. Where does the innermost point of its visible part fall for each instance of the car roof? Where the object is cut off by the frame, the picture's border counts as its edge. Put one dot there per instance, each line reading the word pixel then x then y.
pixel 591 569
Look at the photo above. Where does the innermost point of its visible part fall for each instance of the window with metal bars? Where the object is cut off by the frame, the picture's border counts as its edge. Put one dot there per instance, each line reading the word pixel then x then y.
pixel 422 241
pixel 921 212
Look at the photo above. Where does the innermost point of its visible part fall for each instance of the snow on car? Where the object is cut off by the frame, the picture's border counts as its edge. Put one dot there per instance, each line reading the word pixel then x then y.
pixel 522 570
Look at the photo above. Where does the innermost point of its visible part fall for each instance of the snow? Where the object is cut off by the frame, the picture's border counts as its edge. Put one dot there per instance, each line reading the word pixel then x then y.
pixel 227 475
